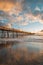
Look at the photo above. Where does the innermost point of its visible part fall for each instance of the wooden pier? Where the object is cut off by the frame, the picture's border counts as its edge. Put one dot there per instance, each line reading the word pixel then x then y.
pixel 11 33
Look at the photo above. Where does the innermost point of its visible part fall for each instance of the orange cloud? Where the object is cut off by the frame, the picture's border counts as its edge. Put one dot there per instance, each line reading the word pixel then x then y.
pixel 7 6
pixel 17 8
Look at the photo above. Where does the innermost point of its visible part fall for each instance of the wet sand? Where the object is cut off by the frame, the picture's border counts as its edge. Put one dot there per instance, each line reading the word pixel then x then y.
pixel 21 53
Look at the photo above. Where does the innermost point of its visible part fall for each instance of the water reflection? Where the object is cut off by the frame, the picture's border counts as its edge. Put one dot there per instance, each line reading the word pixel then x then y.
pixel 22 53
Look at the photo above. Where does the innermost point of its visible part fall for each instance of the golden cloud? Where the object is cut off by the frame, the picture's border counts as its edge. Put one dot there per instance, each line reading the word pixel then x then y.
pixel 7 6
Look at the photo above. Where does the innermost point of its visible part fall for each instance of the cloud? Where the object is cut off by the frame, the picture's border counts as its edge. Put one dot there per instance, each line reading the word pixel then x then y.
pixel 7 5
pixel 20 11
pixel 24 23
pixel 5 19
pixel 16 9
pixel 2 24
pixel 8 25
pixel 23 19
pixel 37 8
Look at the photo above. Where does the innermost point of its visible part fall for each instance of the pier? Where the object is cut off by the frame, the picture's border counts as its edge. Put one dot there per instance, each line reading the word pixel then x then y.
pixel 11 33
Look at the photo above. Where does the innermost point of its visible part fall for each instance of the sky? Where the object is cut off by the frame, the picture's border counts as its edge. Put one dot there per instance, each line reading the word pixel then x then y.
pixel 26 15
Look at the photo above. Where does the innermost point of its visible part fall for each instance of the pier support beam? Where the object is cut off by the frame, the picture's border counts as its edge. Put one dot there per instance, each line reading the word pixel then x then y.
pixel 7 34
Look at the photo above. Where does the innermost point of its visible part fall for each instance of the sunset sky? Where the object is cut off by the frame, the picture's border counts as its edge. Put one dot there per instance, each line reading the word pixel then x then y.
pixel 26 15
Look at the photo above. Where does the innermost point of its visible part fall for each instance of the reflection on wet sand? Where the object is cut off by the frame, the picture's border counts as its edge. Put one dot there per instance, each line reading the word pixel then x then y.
pixel 22 52
pixel 8 44
pixel 15 55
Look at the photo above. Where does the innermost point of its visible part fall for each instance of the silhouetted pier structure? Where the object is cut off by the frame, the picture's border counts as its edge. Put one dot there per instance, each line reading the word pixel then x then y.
pixel 11 33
